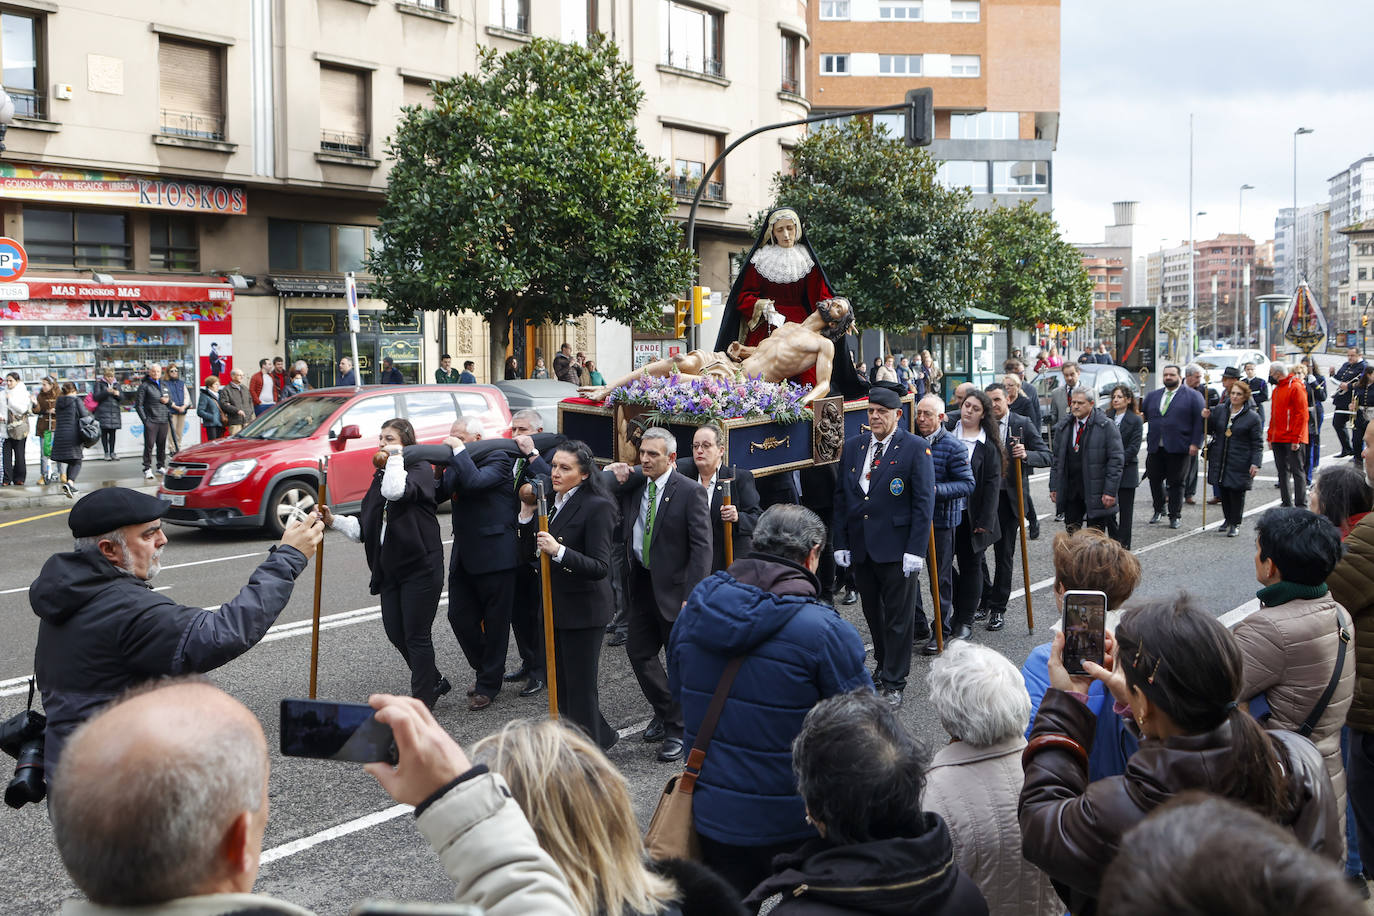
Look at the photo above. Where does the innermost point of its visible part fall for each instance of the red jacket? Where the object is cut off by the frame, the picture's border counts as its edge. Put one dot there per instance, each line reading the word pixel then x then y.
pixel 1288 411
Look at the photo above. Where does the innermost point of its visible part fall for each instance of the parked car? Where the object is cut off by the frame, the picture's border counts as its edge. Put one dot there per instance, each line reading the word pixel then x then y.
pixel 543 394
pixel 271 468
pixel 1215 362
pixel 1099 377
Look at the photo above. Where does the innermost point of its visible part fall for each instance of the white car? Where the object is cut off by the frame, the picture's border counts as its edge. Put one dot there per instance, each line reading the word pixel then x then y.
pixel 1215 362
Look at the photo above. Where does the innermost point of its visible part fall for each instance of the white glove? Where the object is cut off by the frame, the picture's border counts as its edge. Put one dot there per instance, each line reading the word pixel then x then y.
pixel 842 558
pixel 912 564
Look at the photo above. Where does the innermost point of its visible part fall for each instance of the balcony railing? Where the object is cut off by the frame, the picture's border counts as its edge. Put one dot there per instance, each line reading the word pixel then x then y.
pixel 27 104
pixel 190 124
pixel 791 84
pixel 710 66
pixel 520 22
pixel 687 187
pixel 349 144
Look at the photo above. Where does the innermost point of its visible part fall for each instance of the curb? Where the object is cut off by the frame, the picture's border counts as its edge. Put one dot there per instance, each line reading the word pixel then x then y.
pixel 51 495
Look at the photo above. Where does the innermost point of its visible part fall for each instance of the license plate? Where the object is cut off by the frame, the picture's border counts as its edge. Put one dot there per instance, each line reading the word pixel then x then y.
pixel 176 499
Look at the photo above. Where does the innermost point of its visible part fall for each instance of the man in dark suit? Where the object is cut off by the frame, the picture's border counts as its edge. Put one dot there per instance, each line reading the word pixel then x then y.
pixel 1174 415
pixel 666 518
pixel 1021 440
pixel 954 483
pixel 1027 404
pixel 481 584
pixel 884 503
pixel 1088 460
pixel 743 512
pixel 1193 378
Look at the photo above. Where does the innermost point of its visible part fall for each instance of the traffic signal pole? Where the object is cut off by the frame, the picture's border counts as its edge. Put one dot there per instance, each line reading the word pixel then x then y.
pixel 920 130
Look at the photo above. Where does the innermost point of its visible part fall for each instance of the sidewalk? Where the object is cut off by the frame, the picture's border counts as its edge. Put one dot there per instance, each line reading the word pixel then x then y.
pixel 95 473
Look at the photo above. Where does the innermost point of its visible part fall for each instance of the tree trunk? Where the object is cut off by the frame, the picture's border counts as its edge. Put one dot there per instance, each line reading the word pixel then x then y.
pixel 498 331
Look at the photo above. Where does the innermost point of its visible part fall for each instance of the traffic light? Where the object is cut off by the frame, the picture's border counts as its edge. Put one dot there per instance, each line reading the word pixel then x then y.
pixel 920 117
pixel 680 319
pixel 1364 321
pixel 701 298
pixel 1352 298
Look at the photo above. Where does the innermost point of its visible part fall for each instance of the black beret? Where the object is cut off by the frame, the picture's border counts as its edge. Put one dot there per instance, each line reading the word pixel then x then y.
pixel 113 507
pixel 884 396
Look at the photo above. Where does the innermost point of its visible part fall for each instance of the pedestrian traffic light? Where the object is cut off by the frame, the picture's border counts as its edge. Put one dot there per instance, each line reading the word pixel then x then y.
pixel 680 323
pixel 701 298
pixel 920 117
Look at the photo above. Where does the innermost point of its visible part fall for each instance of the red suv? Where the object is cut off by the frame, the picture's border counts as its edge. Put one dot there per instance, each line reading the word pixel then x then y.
pixel 271 467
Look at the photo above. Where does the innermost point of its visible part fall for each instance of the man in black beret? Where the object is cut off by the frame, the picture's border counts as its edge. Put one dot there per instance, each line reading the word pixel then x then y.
pixel 102 629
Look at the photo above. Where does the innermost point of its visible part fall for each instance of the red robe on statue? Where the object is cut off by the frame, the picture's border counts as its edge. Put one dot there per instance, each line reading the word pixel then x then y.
pixel 794 301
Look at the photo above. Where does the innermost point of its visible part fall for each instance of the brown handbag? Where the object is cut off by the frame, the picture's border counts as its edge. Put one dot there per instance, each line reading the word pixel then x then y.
pixel 671 833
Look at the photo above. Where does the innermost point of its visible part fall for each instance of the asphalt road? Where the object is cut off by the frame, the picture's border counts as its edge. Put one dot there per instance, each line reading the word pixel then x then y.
pixel 334 837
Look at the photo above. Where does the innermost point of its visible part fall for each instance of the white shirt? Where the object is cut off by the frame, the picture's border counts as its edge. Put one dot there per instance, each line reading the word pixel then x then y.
pixel 559 501
pixel 868 457
pixel 637 535
pixel 268 393
pixel 969 443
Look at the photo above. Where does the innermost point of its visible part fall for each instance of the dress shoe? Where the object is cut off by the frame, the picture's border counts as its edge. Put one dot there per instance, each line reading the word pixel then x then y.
pixel 1190 501
pixel 611 742
pixel 1154 519
pixel 980 614
pixel 1214 501
pixel 1174 523
pixel 850 597
pixel 472 691
pixel 1033 533
pixel 1234 532
pixel 931 648
pixel 893 697
pixel 532 686
pixel 617 639
pixel 670 750
pixel 1059 516
pixel 964 632
pixel 655 730
pixel 997 620
pixel 522 674
pixel 440 689
pixel 479 701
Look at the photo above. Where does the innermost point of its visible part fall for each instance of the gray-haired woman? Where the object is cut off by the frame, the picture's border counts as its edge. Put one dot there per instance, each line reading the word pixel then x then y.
pixel 975 780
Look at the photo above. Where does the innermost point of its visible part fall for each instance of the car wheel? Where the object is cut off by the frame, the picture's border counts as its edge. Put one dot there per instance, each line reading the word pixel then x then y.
pixel 287 499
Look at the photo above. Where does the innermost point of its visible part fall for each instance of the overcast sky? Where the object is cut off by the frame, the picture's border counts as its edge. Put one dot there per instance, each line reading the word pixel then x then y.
pixel 1251 72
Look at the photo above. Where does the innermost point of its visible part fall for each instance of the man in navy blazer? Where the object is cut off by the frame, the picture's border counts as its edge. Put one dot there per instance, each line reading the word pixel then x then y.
pixel 1174 417
pixel 884 502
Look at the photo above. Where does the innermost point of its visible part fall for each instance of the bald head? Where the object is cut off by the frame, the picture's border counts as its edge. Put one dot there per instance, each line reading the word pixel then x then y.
pixel 163 795
pixel 963 390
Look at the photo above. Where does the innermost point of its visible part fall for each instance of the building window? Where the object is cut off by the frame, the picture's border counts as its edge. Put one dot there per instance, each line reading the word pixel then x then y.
pixel 899 64
pixel 1113 297
pixel 836 122
pixel 965 65
pixel 691 38
pixel 895 124
pixel 511 15
pixel 985 125
pixel 190 89
pixel 21 57
pixel 440 5
pixel 910 12
pixel 963 10
pixel 1099 296
pixel 343 111
pixel 1363 274
pixel 1021 177
pixel 76 238
pixel 834 9
pixel 172 242
pixel 690 152
pixel 415 94
pixel 791 63
pixel 964 173
pixel 317 247
pixel 834 64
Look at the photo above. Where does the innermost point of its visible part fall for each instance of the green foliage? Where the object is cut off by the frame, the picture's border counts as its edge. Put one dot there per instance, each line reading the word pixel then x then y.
pixel 522 193
pixel 905 250
pixel 1035 275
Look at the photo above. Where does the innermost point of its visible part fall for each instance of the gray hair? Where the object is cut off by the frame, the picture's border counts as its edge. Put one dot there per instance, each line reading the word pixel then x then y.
pixel 658 432
pixel 1279 369
pixel 134 832
pixel 117 536
pixel 300 366
pixel 979 696
pixel 529 413
pixel 789 531
pixel 1192 369
pixel 934 399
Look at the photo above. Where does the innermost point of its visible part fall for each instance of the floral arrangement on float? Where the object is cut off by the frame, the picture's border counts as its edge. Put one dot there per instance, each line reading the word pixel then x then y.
pixel 699 401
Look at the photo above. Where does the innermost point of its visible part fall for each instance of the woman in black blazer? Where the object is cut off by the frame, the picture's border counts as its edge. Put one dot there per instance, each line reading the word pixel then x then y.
pixel 578 542
pixel 1126 413
pixel 408 563
pixel 978 431
pixel 1234 454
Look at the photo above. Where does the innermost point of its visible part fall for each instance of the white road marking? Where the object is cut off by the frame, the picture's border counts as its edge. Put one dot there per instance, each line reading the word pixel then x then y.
pixel 333 833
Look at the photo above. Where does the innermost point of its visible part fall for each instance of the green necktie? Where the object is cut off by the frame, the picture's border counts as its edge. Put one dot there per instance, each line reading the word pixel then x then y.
pixel 519 473
pixel 1164 408
pixel 649 522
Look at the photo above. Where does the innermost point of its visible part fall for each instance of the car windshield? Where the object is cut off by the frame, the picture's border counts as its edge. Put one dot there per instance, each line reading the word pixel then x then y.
pixel 294 418
pixel 1219 362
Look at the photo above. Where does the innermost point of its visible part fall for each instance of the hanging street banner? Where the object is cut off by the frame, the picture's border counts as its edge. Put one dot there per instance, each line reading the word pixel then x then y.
pixel 1304 326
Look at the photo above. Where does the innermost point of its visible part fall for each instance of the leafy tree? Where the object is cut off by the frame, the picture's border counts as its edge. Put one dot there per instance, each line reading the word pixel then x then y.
pixel 522 193
pixel 905 250
pixel 1035 275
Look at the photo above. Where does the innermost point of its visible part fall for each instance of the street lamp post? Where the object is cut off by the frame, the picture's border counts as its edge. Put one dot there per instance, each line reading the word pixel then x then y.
pixel 1240 230
pixel 1192 282
pixel 1294 258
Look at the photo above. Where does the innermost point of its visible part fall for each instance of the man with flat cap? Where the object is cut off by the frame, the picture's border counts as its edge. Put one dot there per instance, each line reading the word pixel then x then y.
pixel 102 629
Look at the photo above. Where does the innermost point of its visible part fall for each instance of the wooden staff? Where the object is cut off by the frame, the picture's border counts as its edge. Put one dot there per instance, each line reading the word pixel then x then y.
pixel 321 499
pixel 1206 456
pixel 549 667
pixel 1025 559
pixel 729 526
pixel 935 591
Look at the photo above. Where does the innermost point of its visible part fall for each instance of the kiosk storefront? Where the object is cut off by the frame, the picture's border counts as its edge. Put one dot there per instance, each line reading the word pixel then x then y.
pixel 72 329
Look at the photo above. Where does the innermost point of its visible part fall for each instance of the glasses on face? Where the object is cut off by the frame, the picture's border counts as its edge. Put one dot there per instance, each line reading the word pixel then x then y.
pixel 702 446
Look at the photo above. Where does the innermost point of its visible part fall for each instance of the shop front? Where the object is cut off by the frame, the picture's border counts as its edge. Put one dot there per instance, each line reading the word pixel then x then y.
pixel 968 348
pixel 74 329
pixel 319 334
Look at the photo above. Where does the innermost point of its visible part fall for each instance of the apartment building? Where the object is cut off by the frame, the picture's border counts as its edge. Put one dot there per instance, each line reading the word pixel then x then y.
pixel 1302 250
pixel 1350 206
pixel 994 69
pixel 1223 270
pixel 1355 296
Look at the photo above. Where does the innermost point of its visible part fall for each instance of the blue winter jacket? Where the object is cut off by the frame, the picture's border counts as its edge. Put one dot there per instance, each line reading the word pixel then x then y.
pixel 953 477
pixel 798 652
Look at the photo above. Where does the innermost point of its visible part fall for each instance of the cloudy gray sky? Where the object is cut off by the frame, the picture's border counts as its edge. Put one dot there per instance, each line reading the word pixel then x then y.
pixel 1250 71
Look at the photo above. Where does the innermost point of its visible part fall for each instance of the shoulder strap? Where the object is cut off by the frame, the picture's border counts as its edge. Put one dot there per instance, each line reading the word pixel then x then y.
pixel 1313 717
pixel 708 724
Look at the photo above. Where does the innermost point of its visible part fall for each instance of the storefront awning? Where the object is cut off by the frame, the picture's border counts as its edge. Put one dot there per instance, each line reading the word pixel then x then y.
pixel 124 290
pixel 316 287
pixel 973 313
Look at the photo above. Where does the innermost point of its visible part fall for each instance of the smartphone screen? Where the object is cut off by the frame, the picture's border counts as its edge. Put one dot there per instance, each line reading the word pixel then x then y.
pixel 327 730
pixel 1085 625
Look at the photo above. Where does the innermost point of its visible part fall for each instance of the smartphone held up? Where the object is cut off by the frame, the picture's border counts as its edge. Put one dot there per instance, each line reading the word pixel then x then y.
pixel 327 730
pixel 1085 629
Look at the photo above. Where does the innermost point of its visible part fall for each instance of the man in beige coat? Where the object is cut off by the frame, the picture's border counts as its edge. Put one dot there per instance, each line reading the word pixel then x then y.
pixel 1293 643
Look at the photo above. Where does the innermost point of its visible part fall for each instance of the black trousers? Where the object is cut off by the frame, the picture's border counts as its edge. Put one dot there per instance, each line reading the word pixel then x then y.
pixel 967 590
pixel 527 620
pixel 107 439
pixel 1339 421
pixel 1076 511
pixel 1289 464
pixel 1190 477
pixel 408 609
pixel 889 603
pixel 743 867
pixel 648 635
pixel 1119 525
pixel 620 586
pixel 1165 470
pixel 1359 786
pixel 1232 505
pixel 73 471
pixel 154 437
pixel 997 588
pixel 16 471
pixel 479 608
pixel 944 575
pixel 577 657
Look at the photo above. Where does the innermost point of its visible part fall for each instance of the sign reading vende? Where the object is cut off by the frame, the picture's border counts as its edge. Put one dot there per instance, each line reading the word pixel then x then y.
pixel 76 186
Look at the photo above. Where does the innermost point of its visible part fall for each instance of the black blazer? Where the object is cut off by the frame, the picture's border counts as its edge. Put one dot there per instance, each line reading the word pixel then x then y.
pixel 412 547
pixel 743 495
pixel 484 511
pixel 981 507
pixel 580 582
pixel 1037 453
pixel 680 552
pixel 1132 434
